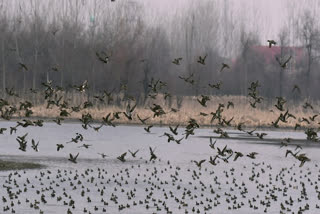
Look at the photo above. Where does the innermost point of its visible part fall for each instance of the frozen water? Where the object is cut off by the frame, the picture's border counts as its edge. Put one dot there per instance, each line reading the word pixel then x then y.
pixel 244 186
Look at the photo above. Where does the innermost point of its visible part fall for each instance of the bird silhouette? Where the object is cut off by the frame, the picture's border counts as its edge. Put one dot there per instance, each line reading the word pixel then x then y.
pixel 252 155
pixel 212 143
pixel 261 135
pixel 34 145
pixel 133 153
pixel 238 155
pixel 216 86
pixel 103 155
pixel 271 42
pixel 201 60
pixel 129 111
pixel 103 57
pixel 23 66
pixel 178 141
pixel 83 87
pixel 177 61
pixel 147 129
pixel 59 147
pixel 203 100
pixel 174 130
pixel 198 164
pixel 296 88
pixel 224 66
pixel 122 157
pixel 152 154
pixel 212 161
pixel 72 158
pixel 143 121
pixel 86 146
pixel 285 63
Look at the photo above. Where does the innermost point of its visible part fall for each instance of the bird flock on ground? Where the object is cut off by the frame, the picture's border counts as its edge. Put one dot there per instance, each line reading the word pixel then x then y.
pixel 54 98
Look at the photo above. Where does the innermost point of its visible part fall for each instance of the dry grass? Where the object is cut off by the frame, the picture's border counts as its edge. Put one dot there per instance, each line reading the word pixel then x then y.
pixel 262 116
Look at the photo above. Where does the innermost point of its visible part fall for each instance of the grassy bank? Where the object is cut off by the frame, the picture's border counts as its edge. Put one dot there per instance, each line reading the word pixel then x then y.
pixel 188 107
pixel 12 165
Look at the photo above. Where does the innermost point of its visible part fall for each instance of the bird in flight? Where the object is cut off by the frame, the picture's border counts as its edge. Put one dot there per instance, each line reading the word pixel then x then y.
pixel 133 153
pixel 271 42
pixel 59 146
pixel 152 154
pixel 224 65
pixel 122 157
pixel 34 145
pixel 72 158
pixel 177 61
pixel 199 163
pixel 201 60
pixel 147 129
pixel 285 63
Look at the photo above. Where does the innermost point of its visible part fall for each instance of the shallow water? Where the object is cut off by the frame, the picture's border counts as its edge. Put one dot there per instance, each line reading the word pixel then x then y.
pixel 225 178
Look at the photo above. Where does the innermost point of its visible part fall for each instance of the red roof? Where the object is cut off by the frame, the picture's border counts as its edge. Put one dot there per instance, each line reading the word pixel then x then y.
pixel 270 53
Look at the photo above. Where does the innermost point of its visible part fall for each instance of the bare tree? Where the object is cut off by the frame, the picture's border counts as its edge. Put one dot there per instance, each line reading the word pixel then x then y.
pixel 310 37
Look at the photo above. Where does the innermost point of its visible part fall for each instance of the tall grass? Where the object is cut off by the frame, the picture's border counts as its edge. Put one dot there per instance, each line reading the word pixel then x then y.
pixel 188 107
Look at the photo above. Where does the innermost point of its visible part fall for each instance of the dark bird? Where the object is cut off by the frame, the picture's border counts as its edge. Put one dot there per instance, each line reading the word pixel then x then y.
pixel 307 105
pixel 143 121
pixel 224 65
pixel 103 155
pixel 83 87
pixel 59 146
pixel 203 100
pixel 260 135
pixel 129 111
pixel 23 66
pixel 202 60
pixel 199 163
pixel 238 155
pixel 103 57
pixel 170 136
pixel 271 42
pixel 216 86
pixel 174 130
pixel 34 145
pixel 212 143
pixel 22 142
pixel 251 132
pixel 297 126
pixel 72 158
pixel 147 129
pixel 230 104
pixel 134 153
pixel 10 92
pixel 152 154
pixel 178 141
pixel 282 144
pixel 177 61
pixel 285 63
pixel 2 130
pixel 58 120
pixel 302 158
pixel 188 79
pixel 86 146
pixel 252 155
pixel 296 88
pixel 212 161
pixel 313 117
pixel 122 157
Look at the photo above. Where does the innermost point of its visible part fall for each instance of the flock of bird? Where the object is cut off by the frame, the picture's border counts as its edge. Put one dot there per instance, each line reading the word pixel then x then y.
pixel 54 98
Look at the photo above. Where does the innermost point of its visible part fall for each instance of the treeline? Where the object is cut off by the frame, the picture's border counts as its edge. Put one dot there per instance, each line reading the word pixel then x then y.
pixel 43 42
